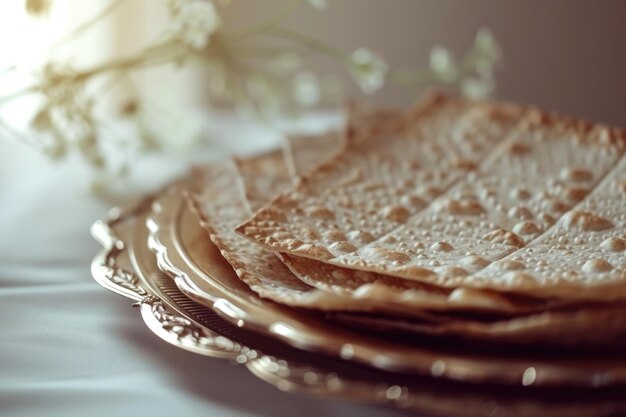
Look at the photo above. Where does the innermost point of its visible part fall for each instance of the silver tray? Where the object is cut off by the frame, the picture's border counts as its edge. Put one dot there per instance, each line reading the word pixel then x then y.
pixel 126 266
pixel 184 251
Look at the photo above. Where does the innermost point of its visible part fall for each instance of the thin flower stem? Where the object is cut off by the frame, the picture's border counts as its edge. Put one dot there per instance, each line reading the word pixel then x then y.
pixel 108 86
pixel 152 56
pixel 251 50
pixel 308 42
pixel 17 94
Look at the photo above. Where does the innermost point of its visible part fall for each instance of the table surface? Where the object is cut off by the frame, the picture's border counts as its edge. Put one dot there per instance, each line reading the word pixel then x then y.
pixel 69 347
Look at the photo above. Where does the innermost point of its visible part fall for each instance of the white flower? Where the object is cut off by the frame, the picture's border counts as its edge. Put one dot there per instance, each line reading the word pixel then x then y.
pixel 477 88
pixel 286 62
pixel 318 4
pixel 195 22
pixel 442 64
pixel 306 89
pixel 368 70
pixel 487 53
pixel 486 45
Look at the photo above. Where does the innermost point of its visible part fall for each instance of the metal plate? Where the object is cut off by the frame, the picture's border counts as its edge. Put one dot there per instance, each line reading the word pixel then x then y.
pixel 184 251
pixel 126 267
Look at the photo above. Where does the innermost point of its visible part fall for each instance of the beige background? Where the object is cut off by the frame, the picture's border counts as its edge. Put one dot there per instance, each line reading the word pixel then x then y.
pixel 566 55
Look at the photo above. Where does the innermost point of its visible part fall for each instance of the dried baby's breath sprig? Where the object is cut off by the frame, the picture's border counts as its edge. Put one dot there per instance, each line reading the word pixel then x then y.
pixel 193 22
pixel 247 67
pixel 473 73
pixel 67 114
pixel 368 70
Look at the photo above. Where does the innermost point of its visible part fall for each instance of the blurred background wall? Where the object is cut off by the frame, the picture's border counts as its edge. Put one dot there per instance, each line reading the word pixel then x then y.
pixel 565 55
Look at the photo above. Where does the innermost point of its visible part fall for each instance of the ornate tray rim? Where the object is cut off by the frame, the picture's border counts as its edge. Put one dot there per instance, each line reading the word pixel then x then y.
pixel 546 374
pixel 181 331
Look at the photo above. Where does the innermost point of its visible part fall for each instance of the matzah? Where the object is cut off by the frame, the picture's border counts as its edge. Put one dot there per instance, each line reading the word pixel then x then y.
pixel 411 295
pixel 515 197
pixel 354 194
pixel 268 173
pixel 583 255
pixel 529 179
pixel 220 206
pixel 553 329
pixel 264 175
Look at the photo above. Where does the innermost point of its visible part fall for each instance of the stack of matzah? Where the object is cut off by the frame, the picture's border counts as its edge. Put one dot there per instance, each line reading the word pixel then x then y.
pixel 460 220
pixel 457 258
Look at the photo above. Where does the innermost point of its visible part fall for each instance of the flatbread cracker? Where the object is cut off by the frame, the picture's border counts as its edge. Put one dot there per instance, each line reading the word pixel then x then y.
pixel 519 192
pixel 267 276
pixel 353 195
pixel 582 256
pixel 220 206
pixel 603 328
pixel 478 220
pixel 265 175
pixel 411 295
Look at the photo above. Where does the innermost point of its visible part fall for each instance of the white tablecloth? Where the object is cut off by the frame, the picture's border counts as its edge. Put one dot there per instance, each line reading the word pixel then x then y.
pixel 69 347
